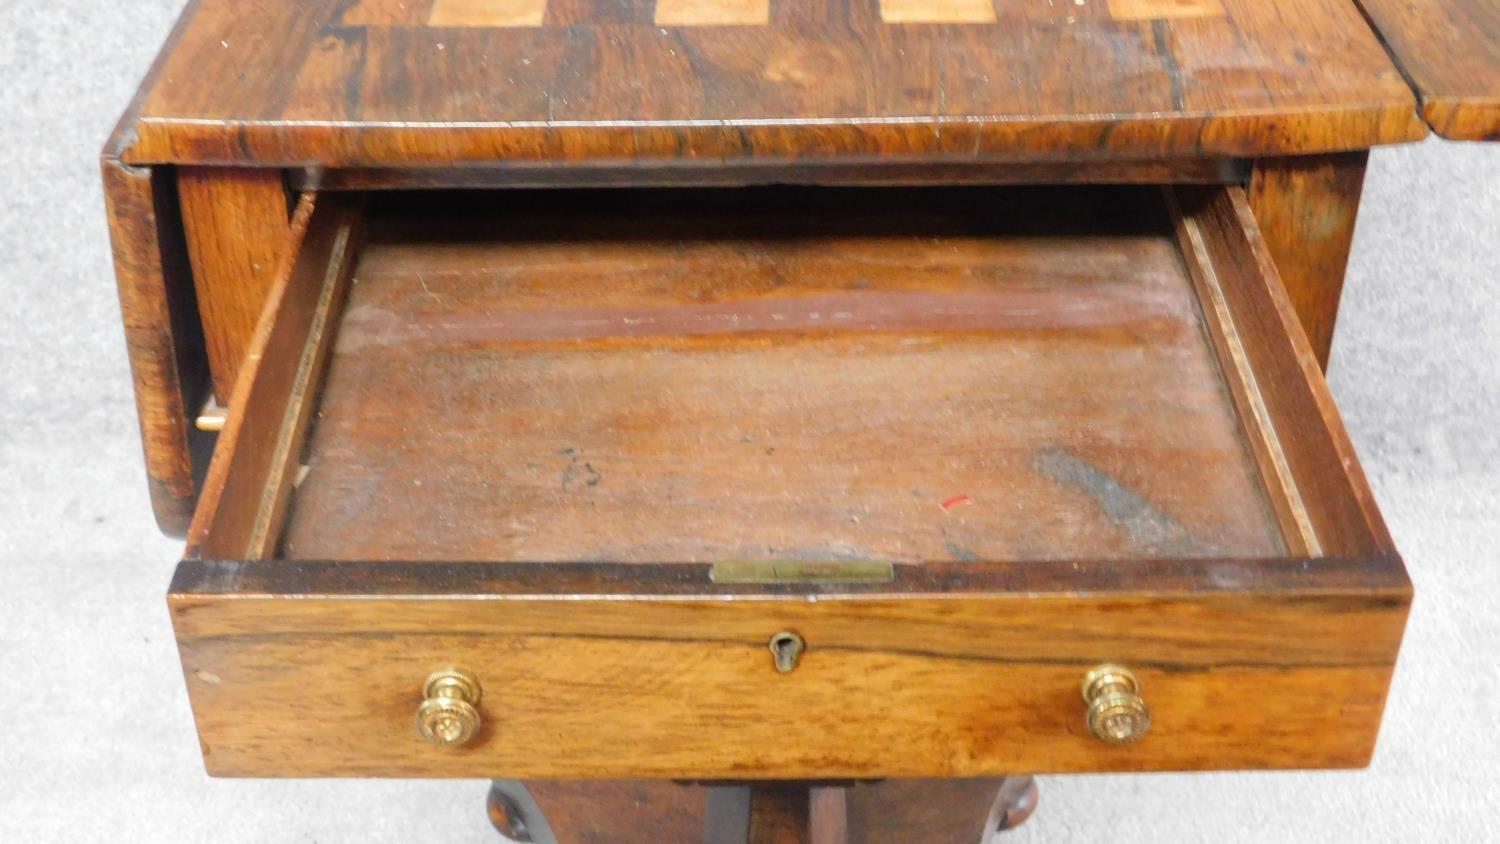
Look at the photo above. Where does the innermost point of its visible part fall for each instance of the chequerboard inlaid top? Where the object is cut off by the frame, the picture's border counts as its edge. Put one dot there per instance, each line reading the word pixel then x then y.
pixel 522 13
pixel 535 13
pixel 420 82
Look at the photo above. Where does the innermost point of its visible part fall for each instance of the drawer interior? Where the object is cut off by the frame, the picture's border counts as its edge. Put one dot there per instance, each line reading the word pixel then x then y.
pixel 650 376
pixel 603 450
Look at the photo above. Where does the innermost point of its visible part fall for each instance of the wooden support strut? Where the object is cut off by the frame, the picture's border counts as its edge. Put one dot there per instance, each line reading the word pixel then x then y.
pixel 238 225
pixel 1306 209
pixel 969 811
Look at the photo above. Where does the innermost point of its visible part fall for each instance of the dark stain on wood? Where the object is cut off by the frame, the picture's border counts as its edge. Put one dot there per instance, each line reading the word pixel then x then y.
pixel 1146 526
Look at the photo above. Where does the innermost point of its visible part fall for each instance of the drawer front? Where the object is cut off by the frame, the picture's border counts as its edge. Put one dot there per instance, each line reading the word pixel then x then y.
pixel 307 683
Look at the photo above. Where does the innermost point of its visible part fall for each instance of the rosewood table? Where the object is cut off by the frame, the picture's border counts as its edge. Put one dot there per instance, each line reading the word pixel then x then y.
pixel 769 420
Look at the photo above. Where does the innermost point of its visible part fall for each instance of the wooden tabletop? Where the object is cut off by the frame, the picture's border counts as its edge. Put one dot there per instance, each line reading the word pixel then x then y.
pixel 1451 51
pixel 437 82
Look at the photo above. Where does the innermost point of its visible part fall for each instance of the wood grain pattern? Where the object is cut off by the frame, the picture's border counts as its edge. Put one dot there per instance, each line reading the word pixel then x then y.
pixel 961 668
pixel 386 12
pixel 1137 10
pixel 501 13
pixel 962 683
pixel 1306 210
pixel 928 811
pixel 1230 344
pixel 781 813
pixel 901 382
pixel 652 811
pixel 831 174
pixel 828 815
pixel 238 236
pixel 1331 484
pixel 937 11
pixel 713 12
pixel 250 479
pixel 163 337
pixel 797 813
pixel 1450 50
pixel 830 81
pixel 629 812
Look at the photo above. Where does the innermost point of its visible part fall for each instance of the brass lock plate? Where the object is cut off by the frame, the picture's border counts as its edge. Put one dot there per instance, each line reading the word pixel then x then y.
pixel 802 571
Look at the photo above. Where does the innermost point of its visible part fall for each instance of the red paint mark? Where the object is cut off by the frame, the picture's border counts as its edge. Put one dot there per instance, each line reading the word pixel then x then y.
pixel 955 501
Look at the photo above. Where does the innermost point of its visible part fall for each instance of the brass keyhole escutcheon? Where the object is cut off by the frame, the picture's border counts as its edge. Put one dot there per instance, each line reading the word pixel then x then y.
pixel 449 714
pixel 786 649
pixel 1117 713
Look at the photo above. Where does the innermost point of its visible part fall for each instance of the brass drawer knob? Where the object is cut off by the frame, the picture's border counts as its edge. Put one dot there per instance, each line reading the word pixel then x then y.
pixel 449 716
pixel 1117 714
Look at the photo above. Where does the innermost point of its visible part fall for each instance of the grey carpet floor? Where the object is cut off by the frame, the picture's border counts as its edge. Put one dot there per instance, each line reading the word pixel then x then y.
pixel 96 740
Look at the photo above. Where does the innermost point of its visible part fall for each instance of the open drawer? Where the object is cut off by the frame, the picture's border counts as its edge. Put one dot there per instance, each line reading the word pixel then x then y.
pixel 598 450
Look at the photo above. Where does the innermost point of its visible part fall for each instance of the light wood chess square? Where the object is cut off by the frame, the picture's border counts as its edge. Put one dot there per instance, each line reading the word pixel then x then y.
pixel 1140 10
pixel 937 11
pixel 713 12
pixel 497 13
